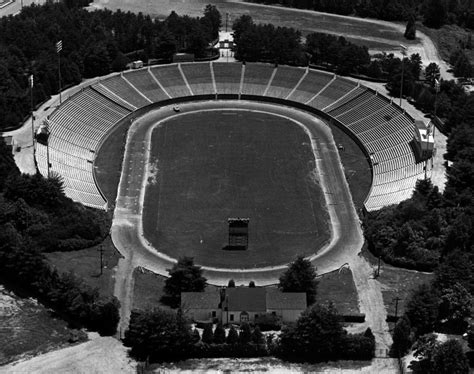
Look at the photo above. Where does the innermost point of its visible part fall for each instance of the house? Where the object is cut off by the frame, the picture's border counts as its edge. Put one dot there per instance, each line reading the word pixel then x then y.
pixel 243 304
pixel 201 306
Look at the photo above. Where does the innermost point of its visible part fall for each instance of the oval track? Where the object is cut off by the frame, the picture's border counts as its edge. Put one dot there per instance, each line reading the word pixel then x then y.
pixel 127 229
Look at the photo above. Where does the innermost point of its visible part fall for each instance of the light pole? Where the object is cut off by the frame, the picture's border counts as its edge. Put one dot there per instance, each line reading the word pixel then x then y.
pixel 31 81
pixel 404 49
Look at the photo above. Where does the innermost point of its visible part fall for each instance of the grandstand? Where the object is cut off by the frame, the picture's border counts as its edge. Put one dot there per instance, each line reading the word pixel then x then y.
pixel 80 123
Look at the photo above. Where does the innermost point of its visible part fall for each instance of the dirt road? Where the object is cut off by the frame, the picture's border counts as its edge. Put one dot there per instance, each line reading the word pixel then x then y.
pixel 100 355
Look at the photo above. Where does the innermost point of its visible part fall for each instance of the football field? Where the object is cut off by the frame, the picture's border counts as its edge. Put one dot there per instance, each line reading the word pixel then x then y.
pixel 212 165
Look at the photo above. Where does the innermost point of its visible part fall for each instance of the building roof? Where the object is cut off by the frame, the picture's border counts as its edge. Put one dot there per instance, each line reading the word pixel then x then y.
pixel 258 299
pixel 245 299
pixel 200 300
pixel 285 300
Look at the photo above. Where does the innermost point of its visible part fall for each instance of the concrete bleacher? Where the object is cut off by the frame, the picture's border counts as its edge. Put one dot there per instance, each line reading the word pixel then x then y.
pixel 256 78
pixel 284 81
pixel 171 79
pixel 199 78
pixel 227 77
pixel 124 90
pixel 311 85
pixel 80 123
pixel 145 83
pixel 336 89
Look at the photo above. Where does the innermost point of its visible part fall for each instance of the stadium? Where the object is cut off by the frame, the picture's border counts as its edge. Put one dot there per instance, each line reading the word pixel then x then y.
pixel 196 152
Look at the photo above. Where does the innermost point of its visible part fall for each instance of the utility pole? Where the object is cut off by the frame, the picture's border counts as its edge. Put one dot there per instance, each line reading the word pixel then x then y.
pixel 378 267
pixel 101 258
pixel 404 49
pixel 59 47
pixel 397 299
pixel 31 81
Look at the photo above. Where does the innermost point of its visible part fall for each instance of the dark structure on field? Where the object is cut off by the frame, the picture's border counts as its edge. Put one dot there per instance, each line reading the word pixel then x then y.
pixel 238 233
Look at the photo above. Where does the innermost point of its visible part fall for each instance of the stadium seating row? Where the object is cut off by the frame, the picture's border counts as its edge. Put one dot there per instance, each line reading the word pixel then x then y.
pixel 80 123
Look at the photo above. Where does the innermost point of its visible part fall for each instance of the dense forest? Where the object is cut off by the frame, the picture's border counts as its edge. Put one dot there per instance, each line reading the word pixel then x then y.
pixel 94 43
pixel 434 13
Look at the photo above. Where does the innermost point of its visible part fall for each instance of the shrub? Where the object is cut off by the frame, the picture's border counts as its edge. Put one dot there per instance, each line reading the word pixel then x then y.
pixel 268 322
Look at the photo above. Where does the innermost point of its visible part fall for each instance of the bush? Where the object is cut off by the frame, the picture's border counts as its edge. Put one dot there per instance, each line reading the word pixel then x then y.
pixel 268 322
pixel 359 346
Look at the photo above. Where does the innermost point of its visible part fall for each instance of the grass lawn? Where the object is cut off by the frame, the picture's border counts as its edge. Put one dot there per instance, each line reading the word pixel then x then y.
pixel 85 264
pixel 220 164
pixel 339 288
pixel 397 282
pixel 28 328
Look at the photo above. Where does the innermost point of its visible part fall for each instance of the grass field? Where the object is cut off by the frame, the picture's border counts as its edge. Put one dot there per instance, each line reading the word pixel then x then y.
pixel 85 264
pixel 397 282
pixel 339 288
pixel 363 33
pixel 220 164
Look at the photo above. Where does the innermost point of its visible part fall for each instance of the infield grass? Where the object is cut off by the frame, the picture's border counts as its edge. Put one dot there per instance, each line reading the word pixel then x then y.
pixel 214 165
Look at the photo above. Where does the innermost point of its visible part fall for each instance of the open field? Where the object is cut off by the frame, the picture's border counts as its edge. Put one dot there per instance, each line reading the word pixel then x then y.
pixel 28 328
pixel 397 282
pixel 339 288
pixel 364 33
pixel 220 164
pixel 85 264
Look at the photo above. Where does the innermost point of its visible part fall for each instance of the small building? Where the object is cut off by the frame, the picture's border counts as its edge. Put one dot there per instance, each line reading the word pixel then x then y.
pixel 424 140
pixel 243 304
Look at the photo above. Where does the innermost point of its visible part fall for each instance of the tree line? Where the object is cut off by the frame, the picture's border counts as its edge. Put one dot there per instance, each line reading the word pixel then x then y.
pixel 161 335
pixel 36 216
pixel 434 13
pixel 94 43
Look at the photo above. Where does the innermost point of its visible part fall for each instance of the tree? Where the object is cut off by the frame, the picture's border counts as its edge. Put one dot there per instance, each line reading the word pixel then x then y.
pixel 231 284
pixel 410 31
pixel 207 335
pixel 251 284
pixel 158 334
pixel 300 277
pixel 257 336
pixel 184 277
pixel 449 358
pixel 317 336
pixel 432 73
pixel 401 337
pixel 424 350
pixel 435 13
pixel 455 306
pixel 422 309
pixel 219 334
pixel 436 358
pixel 212 20
pixel 245 335
pixel 232 336
pixel 196 338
